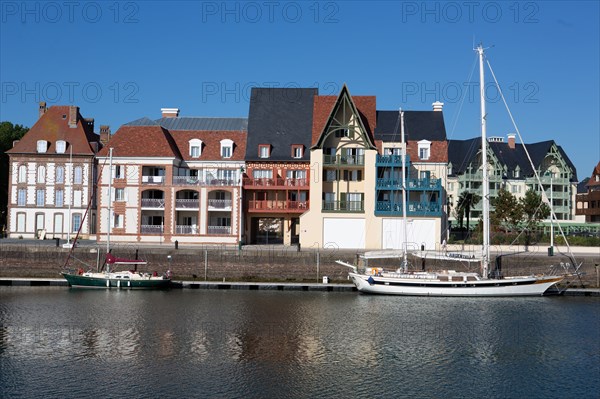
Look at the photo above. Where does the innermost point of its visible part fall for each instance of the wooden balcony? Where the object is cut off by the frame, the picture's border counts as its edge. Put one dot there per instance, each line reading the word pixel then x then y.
pixel 275 184
pixel 274 206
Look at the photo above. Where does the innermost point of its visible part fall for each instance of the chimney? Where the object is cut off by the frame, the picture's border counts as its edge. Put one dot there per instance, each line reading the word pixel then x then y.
pixel 104 134
pixel 170 112
pixel 437 106
pixel 511 141
pixel 89 122
pixel 73 111
pixel 42 109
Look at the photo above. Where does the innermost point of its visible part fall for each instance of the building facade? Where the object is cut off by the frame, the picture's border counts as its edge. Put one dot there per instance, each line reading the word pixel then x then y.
pixel 588 203
pixel 175 179
pixel 52 176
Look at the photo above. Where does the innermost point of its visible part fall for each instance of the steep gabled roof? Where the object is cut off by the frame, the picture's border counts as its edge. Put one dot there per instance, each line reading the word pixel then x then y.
pixel 462 152
pixel 280 117
pixel 594 182
pixel 54 126
pixel 325 108
pixel 418 125
pixel 142 141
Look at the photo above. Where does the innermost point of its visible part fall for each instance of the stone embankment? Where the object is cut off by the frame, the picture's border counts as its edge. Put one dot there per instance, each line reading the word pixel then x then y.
pixel 264 263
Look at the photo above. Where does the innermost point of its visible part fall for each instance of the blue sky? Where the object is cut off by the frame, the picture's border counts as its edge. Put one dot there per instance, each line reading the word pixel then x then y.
pixel 121 61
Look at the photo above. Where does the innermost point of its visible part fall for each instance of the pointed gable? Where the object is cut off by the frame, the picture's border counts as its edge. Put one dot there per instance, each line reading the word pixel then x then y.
pixel 326 109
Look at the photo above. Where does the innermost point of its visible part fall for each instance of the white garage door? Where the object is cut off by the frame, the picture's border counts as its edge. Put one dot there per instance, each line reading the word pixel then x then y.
pixel 419 232
pixel 344 233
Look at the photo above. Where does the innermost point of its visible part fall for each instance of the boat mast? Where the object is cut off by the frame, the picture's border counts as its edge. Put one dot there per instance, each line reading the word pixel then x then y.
pixel 71 196
pixel 485 178
pixel 404 259
pixel 110 174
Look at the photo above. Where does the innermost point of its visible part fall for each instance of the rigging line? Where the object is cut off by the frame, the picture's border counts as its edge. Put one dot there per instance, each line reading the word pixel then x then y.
pixel 537 176
pixel 462 100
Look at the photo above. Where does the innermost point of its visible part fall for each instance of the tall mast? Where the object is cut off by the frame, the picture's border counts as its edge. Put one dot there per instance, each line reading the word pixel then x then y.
pixel 110 174
pixel 485 179
pixel 404 258
pixel 71 196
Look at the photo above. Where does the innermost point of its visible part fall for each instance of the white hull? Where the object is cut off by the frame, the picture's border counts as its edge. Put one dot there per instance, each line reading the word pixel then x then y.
pixel 421 285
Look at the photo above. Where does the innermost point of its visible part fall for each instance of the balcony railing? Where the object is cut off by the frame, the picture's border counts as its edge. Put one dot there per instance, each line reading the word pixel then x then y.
pixel 411 184
pixel 273 205
pixel 187 203
pixel 391 160
pixel 345 160
pixel 219 203
pixel 153 203
pixel 219 230
pixel 153 179
pixel 412 208
pixel 195 181
pixel 275 183
pixel 343 206
pixel 185 229
pixel 151 229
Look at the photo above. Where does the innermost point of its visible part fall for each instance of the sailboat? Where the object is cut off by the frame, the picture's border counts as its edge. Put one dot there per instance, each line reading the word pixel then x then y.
pixel 376 280
pixel 129 278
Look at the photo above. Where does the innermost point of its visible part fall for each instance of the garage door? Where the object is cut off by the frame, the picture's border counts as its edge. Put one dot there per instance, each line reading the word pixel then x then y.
pixel 344 233
pixel 419 232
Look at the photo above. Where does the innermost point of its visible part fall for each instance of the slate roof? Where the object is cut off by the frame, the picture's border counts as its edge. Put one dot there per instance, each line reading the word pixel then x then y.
pixel 462 152
pixel 195 123
pixel 54 126
pixel 418 125
pixel 280 117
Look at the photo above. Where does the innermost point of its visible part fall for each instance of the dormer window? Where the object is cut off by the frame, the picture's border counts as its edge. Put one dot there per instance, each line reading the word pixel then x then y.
pixel 61 146
pixel 226 148
pixel 297 151
pixel 424 149
pixel 195 148
pixel 517 172
pixel 450 169
pixel 42 146
pixel 264 151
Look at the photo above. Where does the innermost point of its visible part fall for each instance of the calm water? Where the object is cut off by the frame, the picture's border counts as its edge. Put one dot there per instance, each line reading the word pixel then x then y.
pixel 57 342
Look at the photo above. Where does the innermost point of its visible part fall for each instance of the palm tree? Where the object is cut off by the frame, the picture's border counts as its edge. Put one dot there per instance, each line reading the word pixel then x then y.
pixel 466 201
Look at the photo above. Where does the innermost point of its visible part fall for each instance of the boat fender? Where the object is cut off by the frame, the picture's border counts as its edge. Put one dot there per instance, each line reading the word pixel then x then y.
pixel 118 283
pixel 108 283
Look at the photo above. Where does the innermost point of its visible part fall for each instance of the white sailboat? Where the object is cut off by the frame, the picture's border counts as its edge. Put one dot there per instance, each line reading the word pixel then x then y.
pixel 376 280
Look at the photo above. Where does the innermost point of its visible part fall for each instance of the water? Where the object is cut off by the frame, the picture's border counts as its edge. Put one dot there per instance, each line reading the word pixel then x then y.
pixel 57 342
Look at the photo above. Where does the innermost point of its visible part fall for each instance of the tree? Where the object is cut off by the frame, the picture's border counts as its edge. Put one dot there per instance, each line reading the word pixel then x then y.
pixel 508 211
pixel 8 134
pixel 534 210
pixel 466 201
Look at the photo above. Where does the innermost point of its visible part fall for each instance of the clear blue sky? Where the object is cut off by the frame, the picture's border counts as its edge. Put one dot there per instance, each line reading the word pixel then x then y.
pixel 122 61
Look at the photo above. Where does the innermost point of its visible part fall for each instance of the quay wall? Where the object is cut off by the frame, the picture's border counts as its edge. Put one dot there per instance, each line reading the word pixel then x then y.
pixel 269 263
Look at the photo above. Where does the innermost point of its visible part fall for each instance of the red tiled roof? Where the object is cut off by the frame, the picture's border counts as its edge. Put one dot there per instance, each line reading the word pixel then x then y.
pixel 54 126
pixel 211 144
pixel 142 141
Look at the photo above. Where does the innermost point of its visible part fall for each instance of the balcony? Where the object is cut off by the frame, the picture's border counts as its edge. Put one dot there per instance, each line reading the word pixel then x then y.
pixel 151 229
pixel 219 204
pixel 185 229
pixel 156 203
pixel 159 180
pixel 391 160
pixel 344 206
pixel 276 183
pixel 277 206
pixel 187 203
pixel 219 230
pixel 195 181
pixel 413 208
pixel 343 160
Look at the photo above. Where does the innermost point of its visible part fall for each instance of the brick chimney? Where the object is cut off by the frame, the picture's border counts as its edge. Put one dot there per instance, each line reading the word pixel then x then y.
pixel 437 106
pixel 511 140
pixel 104 134
pixel 42 109
pixel 73 112
pixel 169 112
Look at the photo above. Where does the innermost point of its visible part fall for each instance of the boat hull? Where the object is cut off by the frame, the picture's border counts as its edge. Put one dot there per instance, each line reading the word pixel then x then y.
pixel 76 280
pixel 517 286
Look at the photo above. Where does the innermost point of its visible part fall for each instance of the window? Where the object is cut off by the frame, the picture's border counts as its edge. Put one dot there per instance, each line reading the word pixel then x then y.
pixel 226 148
pixel 343 132
pixel 296 174
pixel 41 174
pixel 22 174
pixel 42 146
pixel 40 197
pixel 354 201
pixel 424 147
pixel 195 148
pixel 517 172
pixel 297 151
pixel 264 151
pixel 449 169
pixel 262 173
pixel 119 172
pixel 117 220
pixel 20 222
pixel 60 174
pixel 120 194
pixel 450 186
pixel 330 175
pixel 21 197
pixel 353 175
pixel 61 146
pixel 59 198
pixel 78 175
pixel 76 222
pixel 226 175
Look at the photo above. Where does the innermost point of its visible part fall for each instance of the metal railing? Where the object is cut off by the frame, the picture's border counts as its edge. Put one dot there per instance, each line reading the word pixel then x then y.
pixel 187 203
pixel 151 229
pixel 219 230
pixel 344 160
pixel 153 203
pixel 344 206
pixel 220 203
pixel 278 205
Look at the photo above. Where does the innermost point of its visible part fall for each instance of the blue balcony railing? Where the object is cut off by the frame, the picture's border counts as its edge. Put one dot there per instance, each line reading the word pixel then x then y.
pixel 391 160
pixel 413 208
